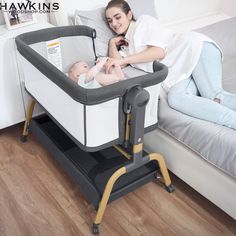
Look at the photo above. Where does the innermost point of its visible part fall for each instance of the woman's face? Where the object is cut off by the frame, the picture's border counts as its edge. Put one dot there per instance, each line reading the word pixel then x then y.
pixel 118 21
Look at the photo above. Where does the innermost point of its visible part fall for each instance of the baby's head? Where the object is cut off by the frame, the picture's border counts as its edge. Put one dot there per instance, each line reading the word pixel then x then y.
pixel 78 69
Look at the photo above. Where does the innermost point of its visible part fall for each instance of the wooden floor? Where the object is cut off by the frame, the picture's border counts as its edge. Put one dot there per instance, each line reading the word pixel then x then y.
pixel 38 198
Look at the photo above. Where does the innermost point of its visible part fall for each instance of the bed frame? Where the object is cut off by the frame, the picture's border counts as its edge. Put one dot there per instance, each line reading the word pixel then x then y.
pixel 204 177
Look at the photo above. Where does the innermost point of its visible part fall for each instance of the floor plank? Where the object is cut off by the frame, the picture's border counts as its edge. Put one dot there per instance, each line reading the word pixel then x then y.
pixel 39 198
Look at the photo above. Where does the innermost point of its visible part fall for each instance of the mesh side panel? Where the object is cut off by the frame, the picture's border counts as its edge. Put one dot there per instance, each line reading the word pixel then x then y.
pixel 73 49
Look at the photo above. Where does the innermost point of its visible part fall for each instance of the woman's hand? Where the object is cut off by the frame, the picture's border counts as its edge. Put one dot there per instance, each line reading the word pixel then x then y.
pixel 112 62
pixel 114 44
pixel 117 41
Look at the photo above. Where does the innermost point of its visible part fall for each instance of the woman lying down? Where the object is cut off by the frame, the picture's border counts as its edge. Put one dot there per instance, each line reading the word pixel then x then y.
pixel 95 77
pixel 194 61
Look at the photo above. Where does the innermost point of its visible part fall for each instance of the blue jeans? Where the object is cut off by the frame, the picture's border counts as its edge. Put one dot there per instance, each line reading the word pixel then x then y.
pixel 194 96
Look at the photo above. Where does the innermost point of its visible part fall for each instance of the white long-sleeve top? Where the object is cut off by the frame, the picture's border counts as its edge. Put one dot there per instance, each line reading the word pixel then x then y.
pixel 182 49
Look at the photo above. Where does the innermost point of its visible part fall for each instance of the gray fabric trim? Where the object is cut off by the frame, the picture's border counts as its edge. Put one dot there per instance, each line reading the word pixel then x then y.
pixel 85 126
pixel 82 95
pixel 150 128
pixel 53 33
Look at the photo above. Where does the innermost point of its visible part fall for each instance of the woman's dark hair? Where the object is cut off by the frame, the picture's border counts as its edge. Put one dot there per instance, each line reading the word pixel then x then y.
pixel 123 5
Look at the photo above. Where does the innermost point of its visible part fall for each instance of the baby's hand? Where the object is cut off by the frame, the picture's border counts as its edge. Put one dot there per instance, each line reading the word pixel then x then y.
pixel 102 60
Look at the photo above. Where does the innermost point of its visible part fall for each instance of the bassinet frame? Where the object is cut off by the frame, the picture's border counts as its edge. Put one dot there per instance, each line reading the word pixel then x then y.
pixel 134 100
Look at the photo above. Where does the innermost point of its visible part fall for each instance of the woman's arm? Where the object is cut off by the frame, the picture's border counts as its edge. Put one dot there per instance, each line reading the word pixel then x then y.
pixel 151 53
pixel 112 47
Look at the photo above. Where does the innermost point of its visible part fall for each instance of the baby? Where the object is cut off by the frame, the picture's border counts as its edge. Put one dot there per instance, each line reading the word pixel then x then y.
pixel 93 77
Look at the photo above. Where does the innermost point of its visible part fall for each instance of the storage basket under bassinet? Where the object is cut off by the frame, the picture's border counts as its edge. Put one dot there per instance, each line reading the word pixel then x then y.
pixel 94 118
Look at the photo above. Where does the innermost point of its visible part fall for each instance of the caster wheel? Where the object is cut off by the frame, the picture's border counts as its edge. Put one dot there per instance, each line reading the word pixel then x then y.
pixel 170 188
pixel 23 138
pixel 95 229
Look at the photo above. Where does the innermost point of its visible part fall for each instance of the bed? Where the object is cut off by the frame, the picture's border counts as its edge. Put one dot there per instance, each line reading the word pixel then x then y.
pixel 203 154
pixel 179 137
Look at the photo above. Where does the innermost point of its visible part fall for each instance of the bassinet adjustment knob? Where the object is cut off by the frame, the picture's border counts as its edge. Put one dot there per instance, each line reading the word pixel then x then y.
pixel 135 97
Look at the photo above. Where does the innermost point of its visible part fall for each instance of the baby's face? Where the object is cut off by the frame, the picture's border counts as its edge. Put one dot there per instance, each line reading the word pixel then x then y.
pixel 79 69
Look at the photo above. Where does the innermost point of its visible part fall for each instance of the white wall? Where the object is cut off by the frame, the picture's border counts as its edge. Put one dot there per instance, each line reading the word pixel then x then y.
pixel 180 9
pixel 229 7
pixel 85 5
pixel 171 10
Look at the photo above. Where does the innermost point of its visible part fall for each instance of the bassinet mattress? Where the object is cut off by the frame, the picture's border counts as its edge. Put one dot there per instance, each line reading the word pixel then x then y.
pixel 215 143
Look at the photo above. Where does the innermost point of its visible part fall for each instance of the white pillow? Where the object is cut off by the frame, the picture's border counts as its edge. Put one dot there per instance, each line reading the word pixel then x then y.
pixel 96 19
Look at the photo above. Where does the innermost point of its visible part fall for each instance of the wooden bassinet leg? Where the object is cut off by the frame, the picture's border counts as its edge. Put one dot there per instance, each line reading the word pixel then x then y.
pixel 159 158
pixel 27 120
pixel 105 198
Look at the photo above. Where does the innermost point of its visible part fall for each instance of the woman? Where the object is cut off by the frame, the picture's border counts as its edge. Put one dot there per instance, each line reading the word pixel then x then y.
pixel 194 62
